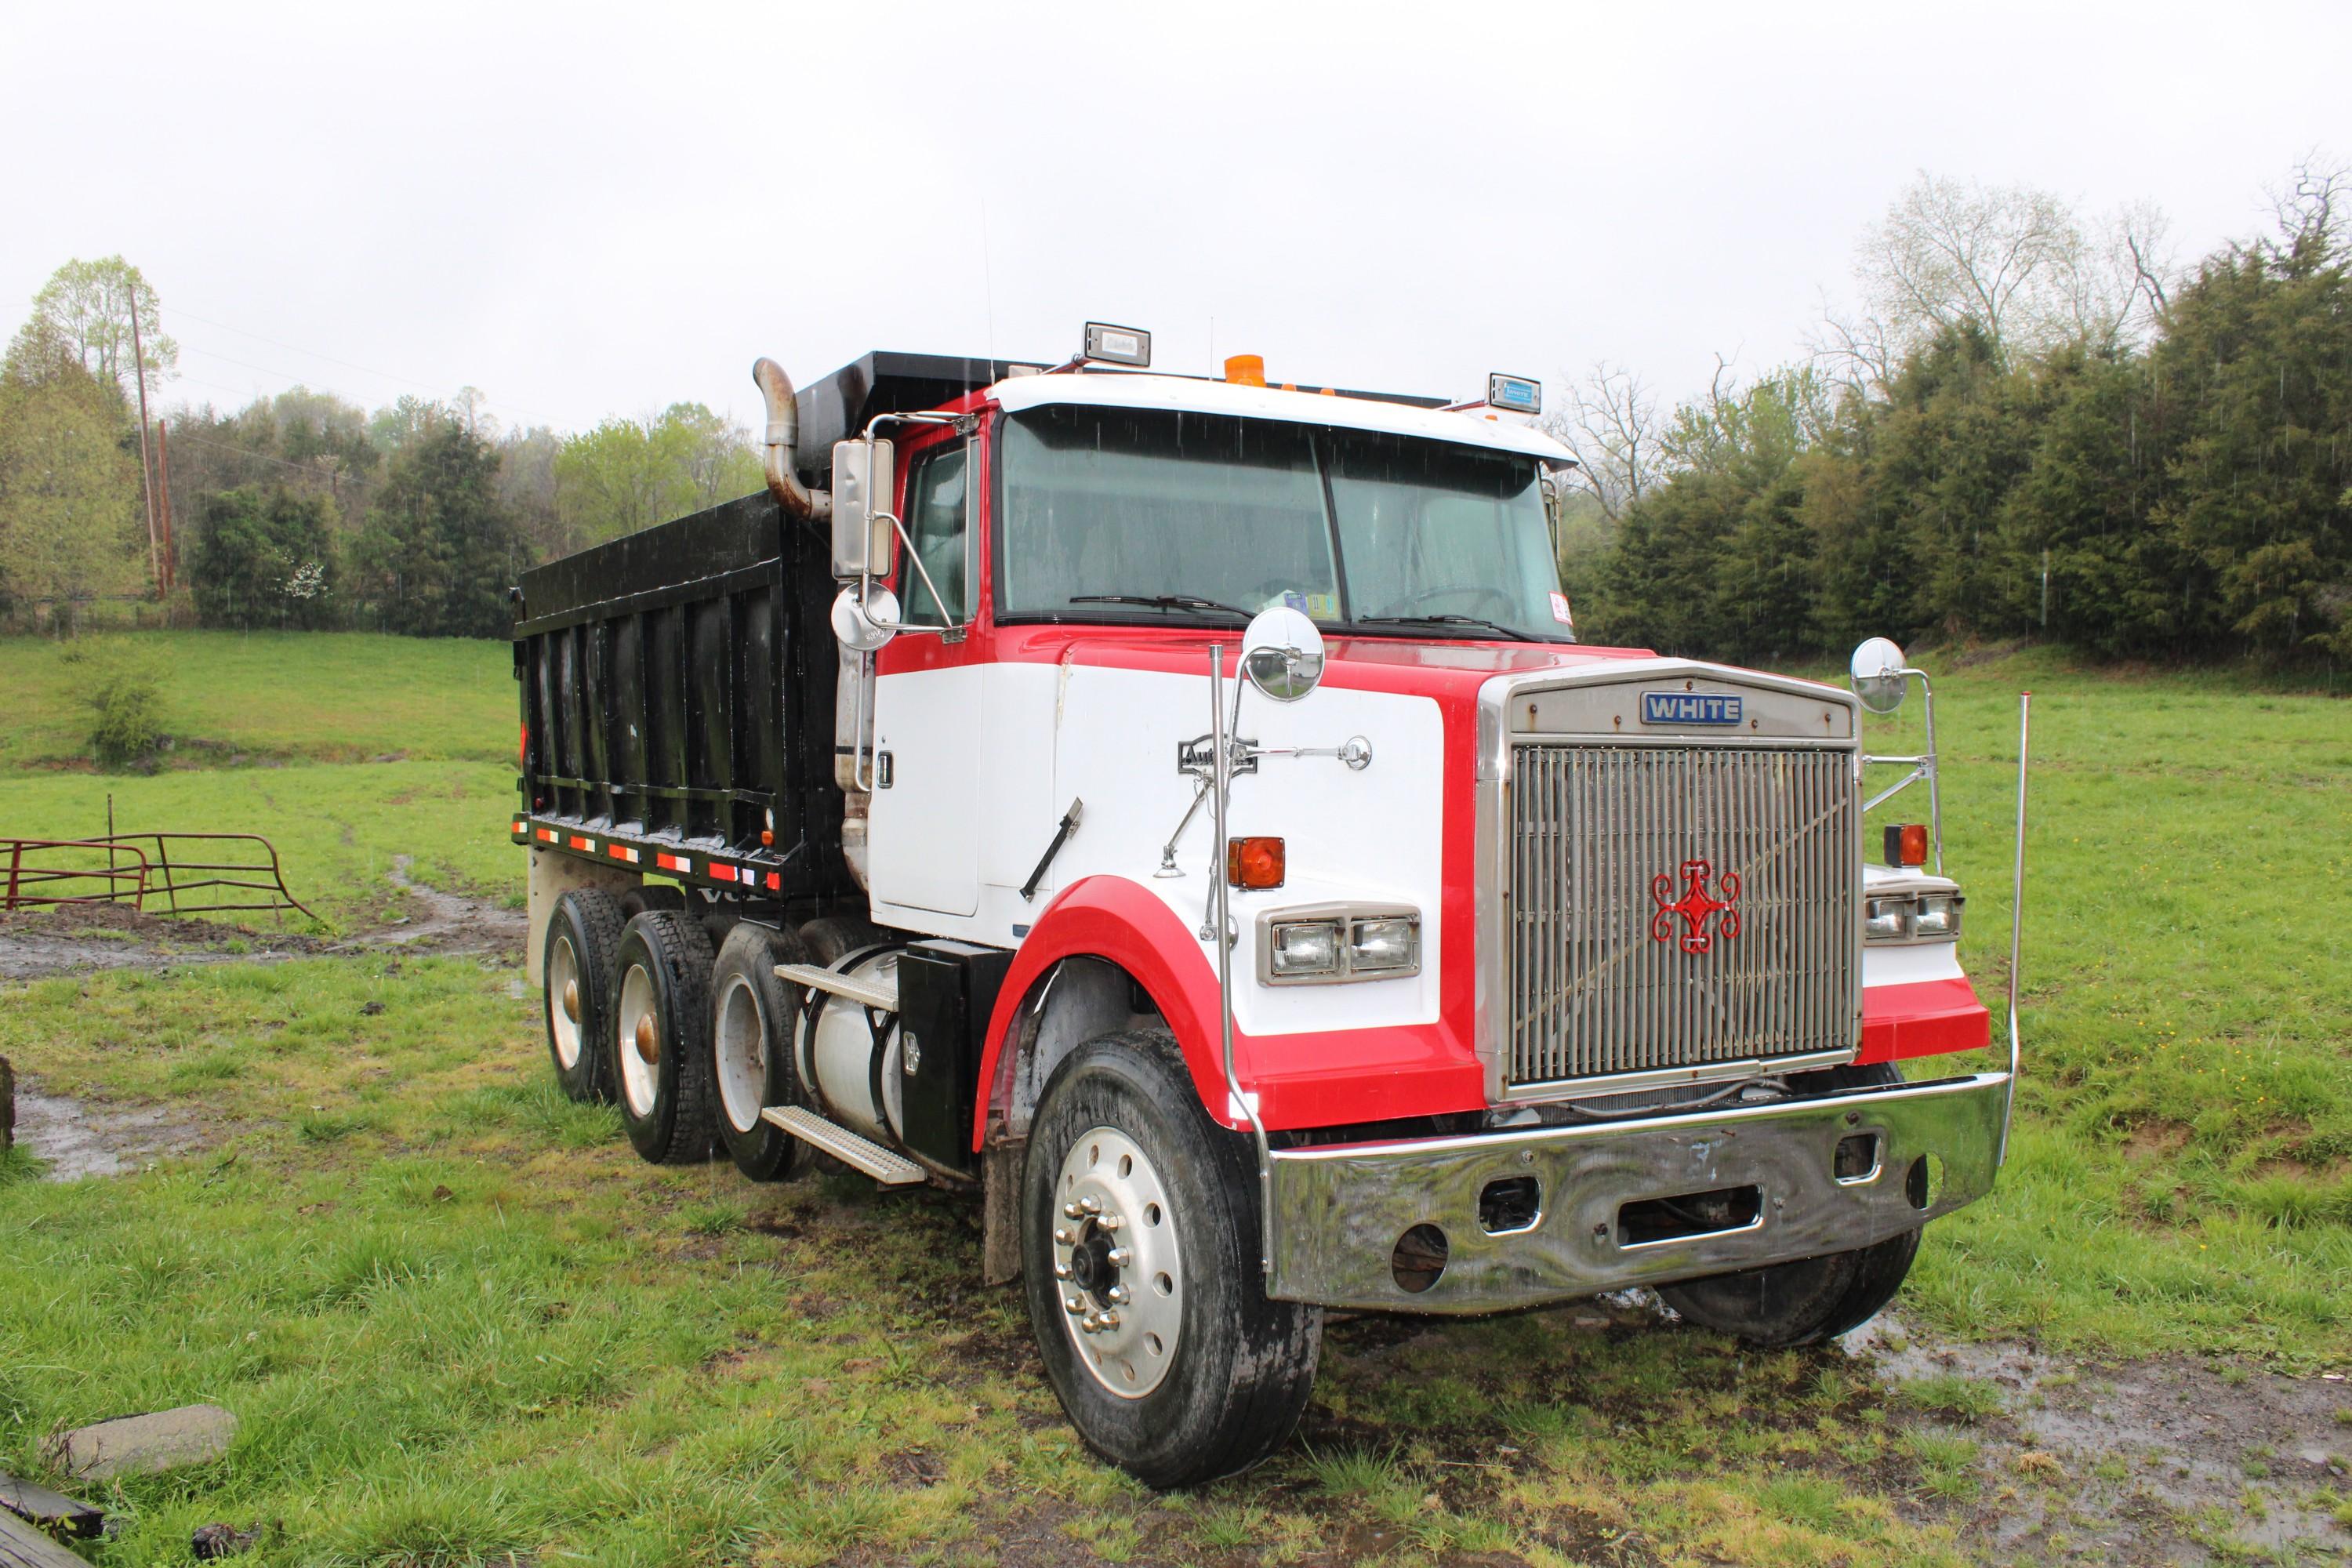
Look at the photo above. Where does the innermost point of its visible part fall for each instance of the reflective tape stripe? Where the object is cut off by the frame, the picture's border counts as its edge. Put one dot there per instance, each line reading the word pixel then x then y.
pixel 579 843
pixel 622 852
pixel 673 862
pixel 548 833
pixel 775 881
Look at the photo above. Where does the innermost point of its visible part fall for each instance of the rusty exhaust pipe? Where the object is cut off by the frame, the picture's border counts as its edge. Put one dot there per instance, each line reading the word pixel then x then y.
pixel 783 437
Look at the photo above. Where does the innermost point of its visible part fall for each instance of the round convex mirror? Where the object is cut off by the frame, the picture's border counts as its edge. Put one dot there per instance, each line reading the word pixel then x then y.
pixel 1878 678
pixel 862 627
pixel 1283 654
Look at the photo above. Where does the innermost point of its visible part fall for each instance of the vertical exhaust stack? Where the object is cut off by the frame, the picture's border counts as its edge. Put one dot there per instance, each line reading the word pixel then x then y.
pixel 816 506
pixel 784 438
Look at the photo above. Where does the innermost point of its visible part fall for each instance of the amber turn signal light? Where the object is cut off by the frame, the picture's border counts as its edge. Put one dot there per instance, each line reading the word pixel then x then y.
pixel 1907 843
pixel 1254 862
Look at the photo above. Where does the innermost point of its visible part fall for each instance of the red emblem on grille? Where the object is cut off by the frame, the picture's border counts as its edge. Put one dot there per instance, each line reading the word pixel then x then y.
pixel 1696 906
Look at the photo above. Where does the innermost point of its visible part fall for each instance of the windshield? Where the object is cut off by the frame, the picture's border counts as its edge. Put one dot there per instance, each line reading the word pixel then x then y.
pixel 1385 533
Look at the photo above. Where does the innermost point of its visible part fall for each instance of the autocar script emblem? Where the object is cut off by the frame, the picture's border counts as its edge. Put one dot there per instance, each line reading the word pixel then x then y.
pixel 1696 906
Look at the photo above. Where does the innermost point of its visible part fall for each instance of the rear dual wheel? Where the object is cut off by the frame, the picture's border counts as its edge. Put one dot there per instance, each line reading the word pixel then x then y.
pixel 660 1033
pixel 583 934
pixel 752 1018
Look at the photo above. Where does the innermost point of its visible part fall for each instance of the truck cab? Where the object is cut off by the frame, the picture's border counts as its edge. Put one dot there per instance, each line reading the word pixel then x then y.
pixel 1263 902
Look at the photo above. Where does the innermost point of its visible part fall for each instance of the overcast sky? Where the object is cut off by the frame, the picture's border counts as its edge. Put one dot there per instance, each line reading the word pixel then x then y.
pixel 587 210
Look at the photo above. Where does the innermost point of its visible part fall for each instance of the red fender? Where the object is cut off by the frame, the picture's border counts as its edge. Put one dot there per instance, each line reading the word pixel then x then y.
pixel 1922 1018
pixel 1319 1080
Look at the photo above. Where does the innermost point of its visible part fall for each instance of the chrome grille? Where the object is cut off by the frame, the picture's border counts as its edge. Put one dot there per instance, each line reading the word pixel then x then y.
pixel 1593 990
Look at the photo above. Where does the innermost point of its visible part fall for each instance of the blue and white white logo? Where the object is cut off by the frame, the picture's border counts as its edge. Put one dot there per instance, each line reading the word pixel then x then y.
pixel 1689 708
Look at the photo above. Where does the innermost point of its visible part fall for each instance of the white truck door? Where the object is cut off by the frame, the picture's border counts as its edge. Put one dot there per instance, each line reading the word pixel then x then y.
pixel 929 704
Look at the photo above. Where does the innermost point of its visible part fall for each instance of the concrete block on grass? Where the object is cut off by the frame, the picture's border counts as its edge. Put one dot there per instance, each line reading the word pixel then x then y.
pixel 134 1445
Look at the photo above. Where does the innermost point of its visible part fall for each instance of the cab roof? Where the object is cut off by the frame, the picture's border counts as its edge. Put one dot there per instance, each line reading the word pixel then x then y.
pixel 1192 394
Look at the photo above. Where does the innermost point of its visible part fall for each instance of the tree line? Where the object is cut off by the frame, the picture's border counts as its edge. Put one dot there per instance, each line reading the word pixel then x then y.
pixel 301 510
pixel 2038 427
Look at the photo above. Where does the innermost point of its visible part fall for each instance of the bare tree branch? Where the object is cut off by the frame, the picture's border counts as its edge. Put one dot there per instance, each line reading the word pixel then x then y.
pixel 1612 426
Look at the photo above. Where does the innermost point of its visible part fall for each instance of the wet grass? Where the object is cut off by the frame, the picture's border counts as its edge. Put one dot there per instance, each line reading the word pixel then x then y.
pixel 244 697
pixel 462 1324
pixel 344 749
pixel 458 1321
pixel 2181 1177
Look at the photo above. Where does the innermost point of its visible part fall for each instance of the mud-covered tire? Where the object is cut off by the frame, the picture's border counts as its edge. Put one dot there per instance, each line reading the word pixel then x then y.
pixel 583 934
pixel 752 1015
pixel 828 937
pixel 659 1028
pixel 647 898
pixel 1813 1298
pixel 1242 1366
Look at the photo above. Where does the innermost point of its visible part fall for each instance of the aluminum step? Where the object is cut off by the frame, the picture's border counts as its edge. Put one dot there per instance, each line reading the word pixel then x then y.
pixel 891 1170
pixel 866 992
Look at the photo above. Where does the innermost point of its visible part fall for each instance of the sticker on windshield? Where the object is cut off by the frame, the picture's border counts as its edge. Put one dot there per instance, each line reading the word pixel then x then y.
pixel 1559 610
pixel 1291 598
pixel 1323 607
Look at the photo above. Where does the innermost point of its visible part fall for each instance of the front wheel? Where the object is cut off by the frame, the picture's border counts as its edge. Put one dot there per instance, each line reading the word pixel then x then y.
pixel 1139 1248
pixel 1813 1299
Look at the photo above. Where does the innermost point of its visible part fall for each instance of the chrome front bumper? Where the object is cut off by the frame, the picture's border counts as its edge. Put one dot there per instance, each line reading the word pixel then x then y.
pixel 1339 1211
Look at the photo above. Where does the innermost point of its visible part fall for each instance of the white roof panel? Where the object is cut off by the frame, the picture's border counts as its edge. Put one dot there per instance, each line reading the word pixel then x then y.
pixel 1191 395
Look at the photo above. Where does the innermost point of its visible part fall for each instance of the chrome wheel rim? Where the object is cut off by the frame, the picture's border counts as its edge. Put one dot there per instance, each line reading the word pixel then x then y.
pixel 739 1039
pixel 1117 1266
pixel 563 986
pixel 639 1085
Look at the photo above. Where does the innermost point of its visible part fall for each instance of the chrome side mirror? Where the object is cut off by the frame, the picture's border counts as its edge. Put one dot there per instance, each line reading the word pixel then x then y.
pixel 1283 654
pixel 1876 669
pixel 864 483
pixel 863 626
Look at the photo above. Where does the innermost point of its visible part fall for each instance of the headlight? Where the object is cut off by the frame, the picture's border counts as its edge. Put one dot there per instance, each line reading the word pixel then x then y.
pixel 1938 916
pixel 1911 917
pixel 1383 944
pixel 1330 942
pixel 1307 947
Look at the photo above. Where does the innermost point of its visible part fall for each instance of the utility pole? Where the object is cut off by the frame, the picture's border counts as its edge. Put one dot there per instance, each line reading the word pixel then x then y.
pixel 146 475
pixel 164 497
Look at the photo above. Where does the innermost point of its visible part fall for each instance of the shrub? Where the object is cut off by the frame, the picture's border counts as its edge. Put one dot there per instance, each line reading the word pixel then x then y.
pixel 122 687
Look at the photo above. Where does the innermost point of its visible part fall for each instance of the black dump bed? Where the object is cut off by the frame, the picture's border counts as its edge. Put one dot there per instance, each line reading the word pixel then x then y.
pixel 678 697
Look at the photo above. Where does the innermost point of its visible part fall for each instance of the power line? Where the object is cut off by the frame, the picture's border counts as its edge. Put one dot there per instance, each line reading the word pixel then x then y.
pixel 301 468
pixel 437 388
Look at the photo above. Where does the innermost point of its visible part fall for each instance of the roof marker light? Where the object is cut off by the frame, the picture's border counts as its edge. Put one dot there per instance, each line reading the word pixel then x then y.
pixel 1245 369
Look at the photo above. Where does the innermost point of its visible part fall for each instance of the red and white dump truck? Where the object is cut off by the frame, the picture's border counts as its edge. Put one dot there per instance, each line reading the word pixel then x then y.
pixel 1178 812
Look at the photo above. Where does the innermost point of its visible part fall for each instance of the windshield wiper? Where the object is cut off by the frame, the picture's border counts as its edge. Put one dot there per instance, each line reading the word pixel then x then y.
pixel 1158 602
pixel 1446 618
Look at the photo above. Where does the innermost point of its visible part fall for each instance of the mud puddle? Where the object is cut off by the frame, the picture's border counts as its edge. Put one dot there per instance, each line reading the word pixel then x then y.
pixel 2169 1460
pixel 444 922
pixel 75 939
pixel 75 1138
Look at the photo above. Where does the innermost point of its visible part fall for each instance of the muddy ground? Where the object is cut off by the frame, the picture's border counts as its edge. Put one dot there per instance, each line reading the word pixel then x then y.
pixel 2084 1459
pixel 73 939
pixel 78 1138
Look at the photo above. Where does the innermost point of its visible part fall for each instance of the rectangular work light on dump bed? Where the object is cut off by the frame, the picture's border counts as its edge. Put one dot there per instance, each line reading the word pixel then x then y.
pixel 1119 345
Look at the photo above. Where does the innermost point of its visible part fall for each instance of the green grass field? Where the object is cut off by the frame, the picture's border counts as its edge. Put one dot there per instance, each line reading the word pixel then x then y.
pixel 344 750
pixel 463 1325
